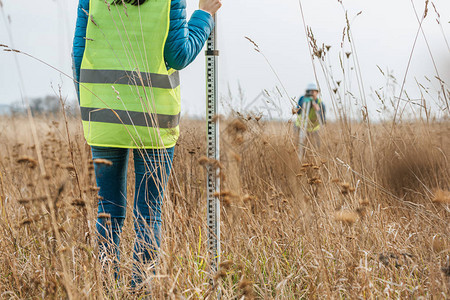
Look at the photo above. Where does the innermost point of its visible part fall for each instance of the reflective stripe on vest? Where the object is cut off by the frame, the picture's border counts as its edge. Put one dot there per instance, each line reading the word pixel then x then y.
pixel 130 78
pixel 135 118
pixel 128 98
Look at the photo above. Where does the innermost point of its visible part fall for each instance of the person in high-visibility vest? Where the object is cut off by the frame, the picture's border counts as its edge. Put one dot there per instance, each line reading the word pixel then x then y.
pixel 316 117
pixel 126 57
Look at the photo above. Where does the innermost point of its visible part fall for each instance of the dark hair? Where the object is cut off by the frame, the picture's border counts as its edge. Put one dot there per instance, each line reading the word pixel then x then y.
pixel 132 2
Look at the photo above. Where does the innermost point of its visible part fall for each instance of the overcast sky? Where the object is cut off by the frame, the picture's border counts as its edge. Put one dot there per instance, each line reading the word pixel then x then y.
pixel 383 34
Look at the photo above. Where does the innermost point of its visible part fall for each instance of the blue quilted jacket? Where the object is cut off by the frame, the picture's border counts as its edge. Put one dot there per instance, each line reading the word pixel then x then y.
pixel 183 44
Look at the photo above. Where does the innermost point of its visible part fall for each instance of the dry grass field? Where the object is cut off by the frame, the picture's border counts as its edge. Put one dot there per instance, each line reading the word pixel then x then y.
pixel 365 216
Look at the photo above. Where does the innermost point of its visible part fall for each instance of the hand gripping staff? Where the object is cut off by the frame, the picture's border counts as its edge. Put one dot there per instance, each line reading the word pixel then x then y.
pixel 213 180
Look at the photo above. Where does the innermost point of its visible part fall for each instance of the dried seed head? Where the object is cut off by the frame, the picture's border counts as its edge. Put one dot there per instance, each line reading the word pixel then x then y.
pixel 23 201
pixel 384 259
pixel 237 126
pixel 100 161
pixel 25 222
pixel 346 216
pixel 253 42
pixel 226 265
pixel 246 287
pixel 203 160
pixel 28 160
pixel 244 283
pixel 79 203
pixel 361 211
pixel 247 198
pixel 206 162
pixel 345 185
pixel 220 274
pixel 314 180
pixel 425 13
pixel 439 244
pixel 226 201
pixel 215 164
pixel 104 216
pixel 364 202
pixel 441 196
pixel 346 188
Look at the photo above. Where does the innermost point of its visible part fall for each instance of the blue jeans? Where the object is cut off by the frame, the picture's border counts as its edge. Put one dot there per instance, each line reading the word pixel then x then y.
pixel 152 170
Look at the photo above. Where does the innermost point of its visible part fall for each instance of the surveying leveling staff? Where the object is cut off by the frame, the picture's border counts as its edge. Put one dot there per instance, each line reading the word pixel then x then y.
pixel 126 56
pixel 316 115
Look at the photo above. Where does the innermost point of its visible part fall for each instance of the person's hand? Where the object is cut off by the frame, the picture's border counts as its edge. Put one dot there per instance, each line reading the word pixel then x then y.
pixel 210 6
pixel 295 110
pixel 316 106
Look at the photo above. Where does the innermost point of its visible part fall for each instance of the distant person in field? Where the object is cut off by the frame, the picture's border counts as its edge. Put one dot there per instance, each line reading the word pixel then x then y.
pixel 316 117
pixel 126 57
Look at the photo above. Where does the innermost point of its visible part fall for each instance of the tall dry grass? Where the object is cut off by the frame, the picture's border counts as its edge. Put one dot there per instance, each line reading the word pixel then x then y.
pixel 363 216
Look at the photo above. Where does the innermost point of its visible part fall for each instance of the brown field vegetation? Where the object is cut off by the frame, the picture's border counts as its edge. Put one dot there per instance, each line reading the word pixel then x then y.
pixel 365 216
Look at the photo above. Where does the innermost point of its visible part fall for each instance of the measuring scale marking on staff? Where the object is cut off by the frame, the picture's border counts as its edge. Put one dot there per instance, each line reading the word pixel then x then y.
pixel 213 153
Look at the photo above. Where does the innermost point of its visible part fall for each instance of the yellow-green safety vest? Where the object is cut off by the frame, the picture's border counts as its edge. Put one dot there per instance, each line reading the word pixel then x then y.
pixel 128 98
pixel 313 121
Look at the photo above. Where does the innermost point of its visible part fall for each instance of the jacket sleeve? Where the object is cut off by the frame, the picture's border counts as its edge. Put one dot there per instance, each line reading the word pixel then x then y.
pixel 186 39
pixel 299 105
pixel 79 41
